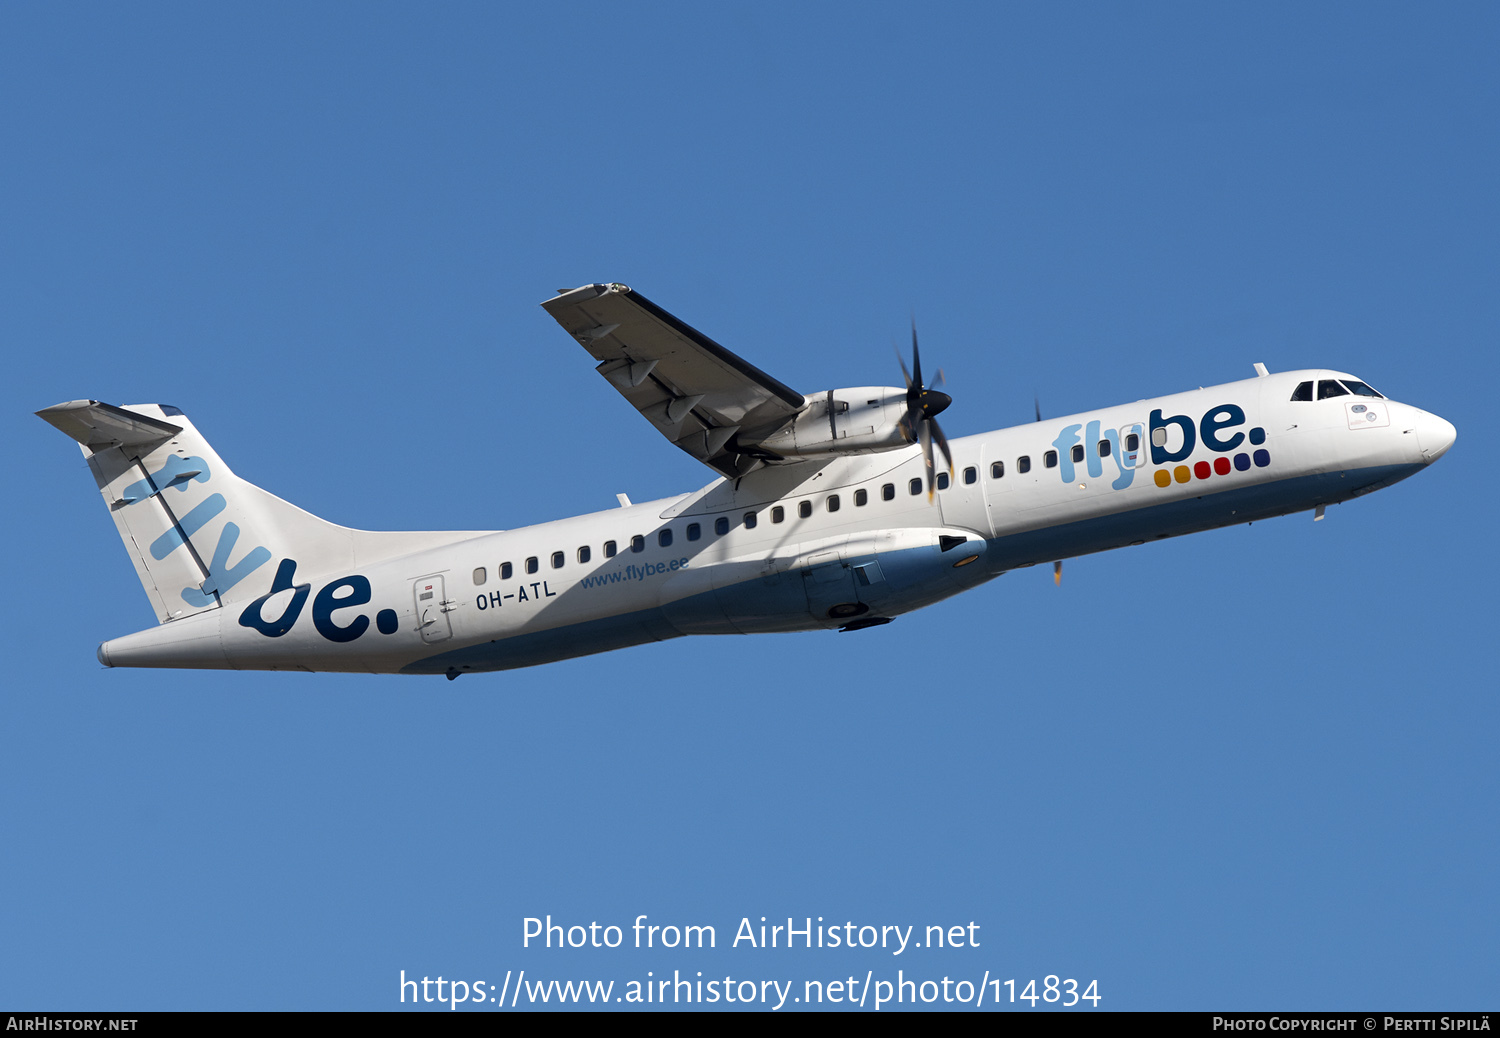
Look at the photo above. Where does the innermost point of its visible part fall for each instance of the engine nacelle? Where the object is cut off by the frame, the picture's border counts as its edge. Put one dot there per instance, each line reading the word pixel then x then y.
pixel 863 420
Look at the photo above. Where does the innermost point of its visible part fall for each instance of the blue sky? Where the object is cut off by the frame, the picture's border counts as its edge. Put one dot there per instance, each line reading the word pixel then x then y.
pixel 1246 769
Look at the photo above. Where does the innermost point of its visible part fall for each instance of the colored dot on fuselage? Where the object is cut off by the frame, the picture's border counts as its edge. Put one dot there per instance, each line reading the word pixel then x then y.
pixel 386 621
pixel 1183 473
pixel 1164 478
pixel 1221 466
pixel 1202 470
pixel 1262 458
pixel 1257 436
pixel 1242 462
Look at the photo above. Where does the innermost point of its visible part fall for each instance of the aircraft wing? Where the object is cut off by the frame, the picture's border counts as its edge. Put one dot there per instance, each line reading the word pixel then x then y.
pixel 705 399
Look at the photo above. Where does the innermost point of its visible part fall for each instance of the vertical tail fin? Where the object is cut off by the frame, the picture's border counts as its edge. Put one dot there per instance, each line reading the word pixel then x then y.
pixel 200 536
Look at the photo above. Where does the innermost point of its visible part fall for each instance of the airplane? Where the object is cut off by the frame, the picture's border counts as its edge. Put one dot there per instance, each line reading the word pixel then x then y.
pixel 828 511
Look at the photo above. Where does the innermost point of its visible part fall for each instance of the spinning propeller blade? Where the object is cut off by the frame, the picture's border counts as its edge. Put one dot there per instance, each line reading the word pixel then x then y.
pixel 923 405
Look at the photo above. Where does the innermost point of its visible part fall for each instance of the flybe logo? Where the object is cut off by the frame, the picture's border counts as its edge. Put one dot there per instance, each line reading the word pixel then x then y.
pixel 1218 431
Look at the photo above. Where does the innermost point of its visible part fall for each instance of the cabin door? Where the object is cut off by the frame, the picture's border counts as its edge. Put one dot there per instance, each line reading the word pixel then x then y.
pixel 432 609
pixel 963 503
pixel 1135 455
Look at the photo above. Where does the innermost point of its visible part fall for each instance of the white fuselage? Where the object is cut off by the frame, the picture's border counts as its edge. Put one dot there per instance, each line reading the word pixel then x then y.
pixel 848 541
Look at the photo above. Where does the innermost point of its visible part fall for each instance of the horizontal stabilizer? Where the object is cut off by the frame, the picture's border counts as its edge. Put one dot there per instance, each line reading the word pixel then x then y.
pixel 98 426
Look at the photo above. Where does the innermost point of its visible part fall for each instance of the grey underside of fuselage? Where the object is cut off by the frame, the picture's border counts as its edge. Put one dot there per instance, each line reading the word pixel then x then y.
pixel 754 607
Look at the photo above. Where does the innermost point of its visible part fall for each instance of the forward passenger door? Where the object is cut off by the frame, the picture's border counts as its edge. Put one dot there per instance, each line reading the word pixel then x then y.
pixel 963 504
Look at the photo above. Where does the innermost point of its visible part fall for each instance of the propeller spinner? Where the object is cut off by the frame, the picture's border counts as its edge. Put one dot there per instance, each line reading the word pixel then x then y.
pixel 923 405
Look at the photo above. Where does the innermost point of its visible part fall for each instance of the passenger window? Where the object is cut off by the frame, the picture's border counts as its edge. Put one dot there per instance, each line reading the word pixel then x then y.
pixel 1023 464
pixel 833 502
pixel 506 570
pixel 778 514
pixel 861 498
pixel 1077 453
pixel 1104 448
pixel 721 525
pixel 532 565
pixel 1360 389
pixel 915 487
pixel 997 470
pixel 804 509
pixel 694 531
pixel 609 549
pixel 942 481
pixel 749 520
pixel 1303 391
pixel 557 560
pixel 637 543
pixel 1133 443
pixel 1050 459
pixel 971 474
pixel 1159 436
pixel 888 492
pixel 584 554
pixel 479 576
pixel 664 537
pixel 1327 389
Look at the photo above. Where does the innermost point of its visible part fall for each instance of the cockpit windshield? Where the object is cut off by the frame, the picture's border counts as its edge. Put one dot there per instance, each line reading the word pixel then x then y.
pixel 1329 388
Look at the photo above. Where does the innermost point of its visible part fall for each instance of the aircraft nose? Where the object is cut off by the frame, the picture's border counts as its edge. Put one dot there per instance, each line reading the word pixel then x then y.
pixel 1434 436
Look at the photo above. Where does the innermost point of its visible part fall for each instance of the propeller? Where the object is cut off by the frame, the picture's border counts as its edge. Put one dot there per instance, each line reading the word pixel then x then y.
pixel 923 405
